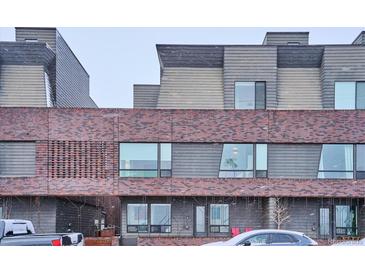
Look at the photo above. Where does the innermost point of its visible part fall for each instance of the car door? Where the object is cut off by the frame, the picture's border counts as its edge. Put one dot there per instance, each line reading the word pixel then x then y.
pixel 261 239
pixel 282 239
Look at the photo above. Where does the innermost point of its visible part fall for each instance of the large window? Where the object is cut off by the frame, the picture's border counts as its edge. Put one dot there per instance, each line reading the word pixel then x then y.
pixel 350 95
pixel 360 161
pixel 160 218
pixel 219 218
pixel 250 95
pixel 137 218
pixel 336 162
pixel 237 161
pixel 143 160
pixel 346 220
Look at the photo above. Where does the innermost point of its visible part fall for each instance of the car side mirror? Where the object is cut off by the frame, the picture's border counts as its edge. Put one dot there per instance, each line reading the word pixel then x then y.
pixel 247 243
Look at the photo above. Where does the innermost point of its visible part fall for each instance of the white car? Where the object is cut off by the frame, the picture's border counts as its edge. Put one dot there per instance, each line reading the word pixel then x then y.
pixel 267 237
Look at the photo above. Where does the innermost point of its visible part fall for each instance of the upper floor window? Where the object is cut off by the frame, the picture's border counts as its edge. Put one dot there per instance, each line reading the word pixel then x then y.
pixel 145 160
pixel 250 95
pixel 237 161
pixel 336 162
pixel 350 95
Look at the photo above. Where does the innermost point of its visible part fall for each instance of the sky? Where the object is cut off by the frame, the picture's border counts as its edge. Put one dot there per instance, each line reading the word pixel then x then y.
pixel 117 58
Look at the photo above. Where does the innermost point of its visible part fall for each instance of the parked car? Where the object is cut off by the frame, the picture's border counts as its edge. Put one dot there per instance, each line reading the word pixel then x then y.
pixel 22 233
pixel 267 237
pixel 351 243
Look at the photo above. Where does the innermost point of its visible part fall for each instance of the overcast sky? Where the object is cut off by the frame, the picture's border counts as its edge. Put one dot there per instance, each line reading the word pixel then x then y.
pixel 117 58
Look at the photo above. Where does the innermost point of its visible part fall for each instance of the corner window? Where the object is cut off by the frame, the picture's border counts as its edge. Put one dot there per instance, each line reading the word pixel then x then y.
pixel 336 162
pixel 160 218
pixel 250 95
pixel 360 161
pixel 137 218
pixel 237 161
pixel 143 160
pixel 219 218
pixel 350 95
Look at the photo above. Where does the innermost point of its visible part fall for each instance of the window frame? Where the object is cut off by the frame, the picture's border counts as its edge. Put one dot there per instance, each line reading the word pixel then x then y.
pixel 137 226
pixel 219 226
pixel 255 95
pixel 158 159
pixel 160 226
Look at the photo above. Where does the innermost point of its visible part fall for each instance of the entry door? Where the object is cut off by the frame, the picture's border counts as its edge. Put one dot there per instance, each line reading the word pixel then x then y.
pixel 324 223
pixel 200 224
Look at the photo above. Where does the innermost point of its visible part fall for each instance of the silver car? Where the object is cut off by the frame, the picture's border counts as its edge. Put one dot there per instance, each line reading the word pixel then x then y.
pixel 268 237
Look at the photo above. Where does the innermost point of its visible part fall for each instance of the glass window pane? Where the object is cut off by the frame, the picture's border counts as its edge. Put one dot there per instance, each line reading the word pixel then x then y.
pixel 261 157
pixel 137 214
pixel 261 239
pixel 260 95
pixel 160 214
pixel 345 95
pixel 324 221
pixel 219 214
pixel 165 156
pixel 138 173
pixel 138 156
pixel 335 175
pixel 336 157
pixel 200 219
pixel 346 216
pixel 237 157
pixel 244 95
pixel 360 95
pixel 360 157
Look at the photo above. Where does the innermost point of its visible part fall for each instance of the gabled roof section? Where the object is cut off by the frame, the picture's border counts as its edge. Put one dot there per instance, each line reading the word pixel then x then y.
pixel 194 56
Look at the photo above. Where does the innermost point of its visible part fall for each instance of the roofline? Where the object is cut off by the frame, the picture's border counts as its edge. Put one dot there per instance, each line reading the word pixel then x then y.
pixel 361 33
pixel 253 45
pixel 287 32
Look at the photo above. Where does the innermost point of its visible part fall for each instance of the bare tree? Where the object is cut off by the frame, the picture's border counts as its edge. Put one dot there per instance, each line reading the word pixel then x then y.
pixel 280 213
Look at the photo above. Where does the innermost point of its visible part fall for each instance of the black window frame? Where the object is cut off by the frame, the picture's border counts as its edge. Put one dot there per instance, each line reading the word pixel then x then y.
pixel 159 171
pixel 219 227
pixel 138 228
pixel 255 94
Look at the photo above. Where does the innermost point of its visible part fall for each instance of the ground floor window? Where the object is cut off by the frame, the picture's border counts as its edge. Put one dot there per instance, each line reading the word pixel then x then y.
pixel 219 218
pixel 346 220
pixel 137 218
pixel 200 219
pixel 324 222
pixel 160 218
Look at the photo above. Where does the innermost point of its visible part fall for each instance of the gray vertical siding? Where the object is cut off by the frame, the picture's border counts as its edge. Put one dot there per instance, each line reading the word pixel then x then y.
pixel 282 38
pixel 41 211
pixel 299 88
pixel 145 96
pixel 250 63
pixel 191 88
pixel 196 160
pixel 22 86
pixel 340 63
pixel 72 80
pixel 47 35
pixel 17 159
pixel 293 161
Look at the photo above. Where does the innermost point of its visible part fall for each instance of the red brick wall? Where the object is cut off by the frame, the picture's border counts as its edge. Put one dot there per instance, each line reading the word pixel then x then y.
pixel 177 241
pixel 75 132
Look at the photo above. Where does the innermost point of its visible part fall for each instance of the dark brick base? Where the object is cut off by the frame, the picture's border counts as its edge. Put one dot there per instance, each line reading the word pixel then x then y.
pixel 177 241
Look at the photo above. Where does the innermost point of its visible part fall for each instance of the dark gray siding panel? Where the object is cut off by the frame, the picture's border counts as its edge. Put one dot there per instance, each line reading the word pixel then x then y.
pixel 145 96
pixel 293 161
pixel 191 56
pixel 246 63
pixel 282 38
pixel 340 63
pixel 191 88
pixel 299 88
pixel 41 211
pixel 22 86
pixel 196 160
pixel 17 159
pixel 72 81
pixel 300 56
pixel 47 35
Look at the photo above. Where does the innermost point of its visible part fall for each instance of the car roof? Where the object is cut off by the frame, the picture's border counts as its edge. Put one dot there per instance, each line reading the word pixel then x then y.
pixel 244 235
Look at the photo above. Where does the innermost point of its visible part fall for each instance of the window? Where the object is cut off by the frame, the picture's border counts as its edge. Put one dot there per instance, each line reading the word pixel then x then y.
pixel 360 161
pixel 219 218
pixel 200 219
pixel 261 160
pixel 261 239
pixel 280 238
pixel 142 160
pixel 350 95
pixel 160 218
pixel 324 222
pixel 250 95
pixel 346 220
pixel 165 160
pixel 237 161
pixel 137 218
pixel 336 162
